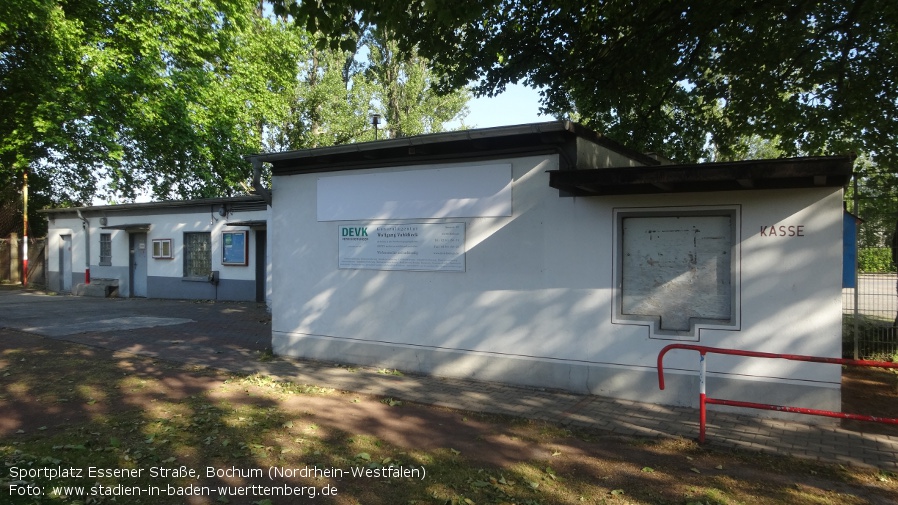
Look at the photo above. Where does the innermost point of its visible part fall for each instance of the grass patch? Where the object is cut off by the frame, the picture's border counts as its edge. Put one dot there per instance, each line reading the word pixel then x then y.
pixel 266 355
pixel 134 415
pixel 281 386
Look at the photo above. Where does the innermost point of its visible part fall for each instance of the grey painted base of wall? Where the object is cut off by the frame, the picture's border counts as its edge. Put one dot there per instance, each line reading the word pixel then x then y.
pixel 175 287
pixel 167 287
pixel 54 281
pixel 615 381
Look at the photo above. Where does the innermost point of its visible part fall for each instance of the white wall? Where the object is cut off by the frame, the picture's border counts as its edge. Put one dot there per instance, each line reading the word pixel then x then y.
pixel 538 288
pixel 173 226
pixel 65 226
pixel 165 223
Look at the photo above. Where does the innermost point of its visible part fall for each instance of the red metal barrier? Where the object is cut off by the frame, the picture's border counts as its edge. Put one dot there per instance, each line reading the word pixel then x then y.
pixel 703 400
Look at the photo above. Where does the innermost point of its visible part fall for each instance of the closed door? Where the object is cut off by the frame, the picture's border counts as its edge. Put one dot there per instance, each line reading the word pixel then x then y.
pixel 138 252
pixel 65 263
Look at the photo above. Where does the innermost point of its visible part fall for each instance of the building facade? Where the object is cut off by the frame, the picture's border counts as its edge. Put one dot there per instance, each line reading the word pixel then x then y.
pixel 547 255
pixel 213 249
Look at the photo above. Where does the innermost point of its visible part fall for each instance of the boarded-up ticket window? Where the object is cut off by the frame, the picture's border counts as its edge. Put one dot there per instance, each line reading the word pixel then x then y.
pixel 677 270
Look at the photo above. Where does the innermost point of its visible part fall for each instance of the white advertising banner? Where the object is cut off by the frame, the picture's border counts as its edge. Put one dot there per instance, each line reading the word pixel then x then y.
pixel 434 247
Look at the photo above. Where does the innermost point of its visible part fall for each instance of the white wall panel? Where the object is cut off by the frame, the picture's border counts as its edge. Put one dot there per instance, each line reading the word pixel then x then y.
pixel 461 191
pixel 535 302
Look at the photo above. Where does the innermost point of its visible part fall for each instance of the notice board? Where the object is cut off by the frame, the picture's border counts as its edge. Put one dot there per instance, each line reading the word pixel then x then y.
pixel 234 248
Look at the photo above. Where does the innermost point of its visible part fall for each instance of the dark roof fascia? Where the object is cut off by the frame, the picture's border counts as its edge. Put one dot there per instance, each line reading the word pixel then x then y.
pixel 171 204
pixel 828 171
pixel 254 223
pixel 128 227
pixel 599 139
pixel 481 144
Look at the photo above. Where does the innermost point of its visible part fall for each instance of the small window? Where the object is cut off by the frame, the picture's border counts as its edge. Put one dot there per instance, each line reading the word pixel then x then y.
pixel 162 248
pixel 197 254
pixel 105 249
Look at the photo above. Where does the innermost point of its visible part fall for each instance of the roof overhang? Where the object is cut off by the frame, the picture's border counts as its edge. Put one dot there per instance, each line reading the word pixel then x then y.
pixel 257 223
pixel 135 227
pixel 242 203
pixel 463 145
pixel 830 171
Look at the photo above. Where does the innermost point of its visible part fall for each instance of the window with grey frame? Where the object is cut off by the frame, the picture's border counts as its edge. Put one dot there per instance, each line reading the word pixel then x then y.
pixel 105 249
pixel 197 255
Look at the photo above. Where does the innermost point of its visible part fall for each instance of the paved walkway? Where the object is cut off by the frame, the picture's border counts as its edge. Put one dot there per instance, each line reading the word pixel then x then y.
pixel 232 336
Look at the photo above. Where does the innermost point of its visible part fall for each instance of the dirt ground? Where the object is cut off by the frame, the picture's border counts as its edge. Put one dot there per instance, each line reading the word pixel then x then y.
pixel 474 458
pixel 872 392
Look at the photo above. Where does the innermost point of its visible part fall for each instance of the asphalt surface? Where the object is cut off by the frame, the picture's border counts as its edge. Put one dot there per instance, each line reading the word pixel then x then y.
pixel 231 336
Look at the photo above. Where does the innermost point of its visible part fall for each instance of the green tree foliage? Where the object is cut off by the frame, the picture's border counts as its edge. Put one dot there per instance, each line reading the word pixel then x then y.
pixel 876 192
pixel 38 61
pixel 329 105
pixel 39 56
pixel 815 77
pixel 407 89
pixel 163 96
pixel 339 89
pixel 875 260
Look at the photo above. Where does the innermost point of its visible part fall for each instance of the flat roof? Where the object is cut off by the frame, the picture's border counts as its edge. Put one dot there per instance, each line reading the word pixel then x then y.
pixel 825 171
pixel 573 178
pixel 128 227
pixel 481 143
pixel 243 203
pixel 253 223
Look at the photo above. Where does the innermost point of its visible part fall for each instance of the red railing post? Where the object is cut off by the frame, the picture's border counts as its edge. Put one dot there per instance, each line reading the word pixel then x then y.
pixel 702 417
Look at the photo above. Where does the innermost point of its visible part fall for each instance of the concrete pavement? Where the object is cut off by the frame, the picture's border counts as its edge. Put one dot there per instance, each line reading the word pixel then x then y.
pixel 231 336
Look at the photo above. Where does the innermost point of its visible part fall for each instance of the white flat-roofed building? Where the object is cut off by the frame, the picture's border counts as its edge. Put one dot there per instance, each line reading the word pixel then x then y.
pixel 547 255
pixel 211 249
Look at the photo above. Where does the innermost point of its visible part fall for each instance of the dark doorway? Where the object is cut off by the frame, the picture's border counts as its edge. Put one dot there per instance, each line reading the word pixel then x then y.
pixel 261 264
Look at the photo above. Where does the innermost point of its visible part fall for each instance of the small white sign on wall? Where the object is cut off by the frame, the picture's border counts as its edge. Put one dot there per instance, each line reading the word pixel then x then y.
pixel 435 247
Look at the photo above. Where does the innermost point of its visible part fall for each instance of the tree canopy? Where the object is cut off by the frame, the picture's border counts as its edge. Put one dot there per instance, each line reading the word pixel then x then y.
pixel 163 96
pixel 110 100
pixel 339 89
pixel 692 79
